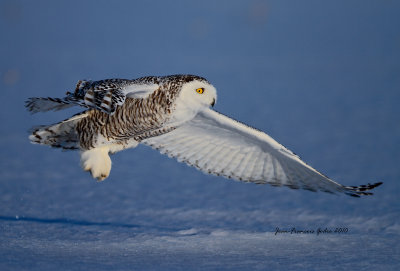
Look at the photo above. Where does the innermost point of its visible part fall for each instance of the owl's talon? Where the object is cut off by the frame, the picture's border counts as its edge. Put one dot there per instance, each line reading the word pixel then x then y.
pixel 101 177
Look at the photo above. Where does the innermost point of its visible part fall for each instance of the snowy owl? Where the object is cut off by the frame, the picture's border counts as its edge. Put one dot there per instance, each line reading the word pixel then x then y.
pixel 172 114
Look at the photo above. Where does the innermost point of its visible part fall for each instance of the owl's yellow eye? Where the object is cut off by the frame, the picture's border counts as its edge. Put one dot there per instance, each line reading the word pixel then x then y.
pixel 200 90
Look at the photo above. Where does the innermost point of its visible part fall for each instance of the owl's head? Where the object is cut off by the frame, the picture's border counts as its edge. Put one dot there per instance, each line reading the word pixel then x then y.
pixel 197 93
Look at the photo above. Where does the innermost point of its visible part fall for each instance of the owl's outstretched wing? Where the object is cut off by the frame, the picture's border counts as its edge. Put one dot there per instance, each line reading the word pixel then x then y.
pixel 104 95
pixel 219 145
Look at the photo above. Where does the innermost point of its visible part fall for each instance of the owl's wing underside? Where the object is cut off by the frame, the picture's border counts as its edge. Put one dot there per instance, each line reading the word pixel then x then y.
pixel 219 145
pixel 104 95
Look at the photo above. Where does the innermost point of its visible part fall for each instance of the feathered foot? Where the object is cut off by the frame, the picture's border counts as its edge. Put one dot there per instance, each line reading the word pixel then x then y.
pixel 97 161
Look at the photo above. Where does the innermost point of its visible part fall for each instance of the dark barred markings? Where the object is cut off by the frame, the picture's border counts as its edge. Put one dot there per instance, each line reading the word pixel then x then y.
pixel 136 118
pixel 61 135
pixel 103 95
pixel 177 79
pixel 89 100
pixel 153 133
pixel 107 95
pixel 35 105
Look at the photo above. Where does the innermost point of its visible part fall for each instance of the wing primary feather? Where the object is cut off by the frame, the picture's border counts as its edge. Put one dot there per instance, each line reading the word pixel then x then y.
pixel 253 172
pixel 242 167
pixel 225 168
pixel 211 159
pixel 258 178
pixel 246 174
pixel 219 161
pixel 257 170
pixel 264 169
pixel 207 150
pixel 291 183
pixel 237 163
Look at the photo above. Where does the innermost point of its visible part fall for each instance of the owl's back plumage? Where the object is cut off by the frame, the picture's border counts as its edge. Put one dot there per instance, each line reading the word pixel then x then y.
pixel 119 109
pixel 172 114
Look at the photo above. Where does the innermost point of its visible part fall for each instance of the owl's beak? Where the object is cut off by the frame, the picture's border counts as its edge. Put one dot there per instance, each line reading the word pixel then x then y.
pixel 213 102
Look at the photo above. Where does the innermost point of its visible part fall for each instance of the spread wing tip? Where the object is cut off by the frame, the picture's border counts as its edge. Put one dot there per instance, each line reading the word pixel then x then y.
pixel 357 191
pixel 35 104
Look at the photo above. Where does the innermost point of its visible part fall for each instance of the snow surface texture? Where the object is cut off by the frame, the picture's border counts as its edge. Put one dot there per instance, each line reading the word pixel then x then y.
pixel 321 77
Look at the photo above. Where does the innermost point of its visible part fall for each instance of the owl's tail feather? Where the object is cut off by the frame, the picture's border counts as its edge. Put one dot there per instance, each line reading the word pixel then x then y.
pixel 60 135
pixel 35 104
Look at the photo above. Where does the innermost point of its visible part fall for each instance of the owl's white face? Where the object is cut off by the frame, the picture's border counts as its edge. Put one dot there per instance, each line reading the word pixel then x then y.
pixel 198 94
pixel 193 97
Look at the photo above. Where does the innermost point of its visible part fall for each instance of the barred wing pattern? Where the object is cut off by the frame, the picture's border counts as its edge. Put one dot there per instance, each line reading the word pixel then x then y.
pixel 219 145
pixel 104 95
pixel 107 95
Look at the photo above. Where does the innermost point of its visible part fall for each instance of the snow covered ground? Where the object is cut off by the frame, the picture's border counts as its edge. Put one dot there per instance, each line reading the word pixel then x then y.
pixel 320 77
